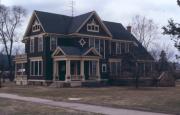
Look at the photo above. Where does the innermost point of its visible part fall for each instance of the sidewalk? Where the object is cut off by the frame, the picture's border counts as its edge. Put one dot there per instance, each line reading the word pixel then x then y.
pixel 78 106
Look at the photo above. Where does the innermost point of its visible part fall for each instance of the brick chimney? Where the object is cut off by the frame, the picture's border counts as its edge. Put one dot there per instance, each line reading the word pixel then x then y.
pixel 129 28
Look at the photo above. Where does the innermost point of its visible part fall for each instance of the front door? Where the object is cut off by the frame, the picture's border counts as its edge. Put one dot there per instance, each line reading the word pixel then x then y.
pixel 62 70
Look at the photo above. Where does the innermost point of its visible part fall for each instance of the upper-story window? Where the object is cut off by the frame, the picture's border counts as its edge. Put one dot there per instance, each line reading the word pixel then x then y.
pixel 127 48
pixel 53 43
pixel 99 45
pixel 40 44
pixel 36 26
pixel 118 47
pixel 92 27
pixel 32 45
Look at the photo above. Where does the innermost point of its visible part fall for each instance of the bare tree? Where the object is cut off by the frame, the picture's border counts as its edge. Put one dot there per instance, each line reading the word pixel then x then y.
pixel 1 67
pixel 156 51
pixel 145 30
pixel 10 19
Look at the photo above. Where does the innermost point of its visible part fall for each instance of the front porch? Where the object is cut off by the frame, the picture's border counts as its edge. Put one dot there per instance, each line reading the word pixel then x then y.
pixel 74 64
pixel 76 69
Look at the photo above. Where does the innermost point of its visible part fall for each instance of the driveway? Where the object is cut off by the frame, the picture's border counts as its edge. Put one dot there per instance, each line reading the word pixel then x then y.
pixel 78 106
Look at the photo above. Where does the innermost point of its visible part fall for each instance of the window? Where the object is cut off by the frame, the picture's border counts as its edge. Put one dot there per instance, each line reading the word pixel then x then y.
pixel 32 45
pixel 104 68
pixel 53 43
pixel 36 26
pixel 97 45
pixel 102 48
pixel 36 68
pixel 91 42
pixel 118 47
pixel 40 44
pixel 127 48
pixel 92 27
pixel 115 68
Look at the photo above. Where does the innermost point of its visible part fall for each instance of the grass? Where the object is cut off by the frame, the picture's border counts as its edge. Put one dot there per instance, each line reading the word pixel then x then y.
pixel 12 107
pixel 162 99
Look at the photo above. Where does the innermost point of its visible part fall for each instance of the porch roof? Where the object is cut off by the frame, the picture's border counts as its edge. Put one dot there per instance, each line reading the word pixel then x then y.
pixel 75 51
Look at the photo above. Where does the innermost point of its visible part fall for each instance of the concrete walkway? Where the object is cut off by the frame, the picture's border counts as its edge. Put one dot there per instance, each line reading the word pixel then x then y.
pixel 78 106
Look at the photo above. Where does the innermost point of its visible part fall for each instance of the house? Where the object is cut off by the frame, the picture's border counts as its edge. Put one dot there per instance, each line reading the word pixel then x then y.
pixel 65 49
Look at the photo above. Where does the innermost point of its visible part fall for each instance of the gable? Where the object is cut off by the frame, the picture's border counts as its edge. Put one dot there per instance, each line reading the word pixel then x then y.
pixel 58 52
pixel 92 52
pixel 94 26
pixel 34 27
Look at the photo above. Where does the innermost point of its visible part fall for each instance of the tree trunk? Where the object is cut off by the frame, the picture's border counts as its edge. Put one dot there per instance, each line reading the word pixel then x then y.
pixel 11 77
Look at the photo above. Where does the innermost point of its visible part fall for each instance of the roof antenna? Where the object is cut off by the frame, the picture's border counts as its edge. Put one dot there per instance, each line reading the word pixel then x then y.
pixel 72 7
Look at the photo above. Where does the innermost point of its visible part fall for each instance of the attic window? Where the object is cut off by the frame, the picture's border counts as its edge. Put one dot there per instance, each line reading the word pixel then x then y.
pixel 36 27
pixel 92 27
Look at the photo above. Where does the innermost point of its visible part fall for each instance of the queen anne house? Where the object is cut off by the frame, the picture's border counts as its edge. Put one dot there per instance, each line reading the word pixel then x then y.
pixel 64 49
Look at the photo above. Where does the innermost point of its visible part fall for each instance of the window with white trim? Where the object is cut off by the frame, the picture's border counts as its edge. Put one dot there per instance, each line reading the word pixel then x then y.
pixel 104 68
pixel 53 43
pixel 40 44
pixel 118 47
pixel 97 44
pixel 31 45
pixel 36 68
pixel 36 26
pixel 92 27
pixel 91 42
pixel 127 47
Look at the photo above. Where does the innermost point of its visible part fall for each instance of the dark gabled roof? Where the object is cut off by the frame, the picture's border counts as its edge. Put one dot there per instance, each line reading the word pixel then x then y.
pixel 54 23
pixel 118 31
pixel 77 21
pixel 60 24
pixel 70 50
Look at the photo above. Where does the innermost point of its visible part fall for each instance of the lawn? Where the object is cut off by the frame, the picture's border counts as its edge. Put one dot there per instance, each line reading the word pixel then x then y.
pixel 162 99
pixel 12 107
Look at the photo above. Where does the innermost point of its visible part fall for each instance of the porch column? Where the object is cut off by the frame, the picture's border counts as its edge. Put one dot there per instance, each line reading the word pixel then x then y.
pixel 68 73
pixel 54 70
pixel 82 70
pixel 98 70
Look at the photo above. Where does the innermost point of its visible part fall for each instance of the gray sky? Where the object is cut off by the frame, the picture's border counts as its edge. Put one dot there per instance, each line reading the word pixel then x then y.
pixel 110 10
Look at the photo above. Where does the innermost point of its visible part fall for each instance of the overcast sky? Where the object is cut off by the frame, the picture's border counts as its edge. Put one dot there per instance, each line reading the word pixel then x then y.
pixel 110 10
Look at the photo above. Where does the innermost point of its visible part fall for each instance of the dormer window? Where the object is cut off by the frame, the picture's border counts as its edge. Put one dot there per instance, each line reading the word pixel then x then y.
pixel 92 27
pixel 36 26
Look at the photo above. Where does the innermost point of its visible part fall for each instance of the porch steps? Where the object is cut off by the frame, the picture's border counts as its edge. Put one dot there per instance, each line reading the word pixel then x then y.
pixel 76 84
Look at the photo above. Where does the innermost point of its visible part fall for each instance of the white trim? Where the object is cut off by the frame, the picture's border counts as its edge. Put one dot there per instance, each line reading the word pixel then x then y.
pixel 100 21
pixel 55 37
pixel 92 49
pixel 93 26
pixel 40 49
pixel 36 26
pixel 32 73
pixel 30 23
pixel 104 65
pixel 118 45
pixel 32 45
pixel 57 51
